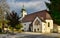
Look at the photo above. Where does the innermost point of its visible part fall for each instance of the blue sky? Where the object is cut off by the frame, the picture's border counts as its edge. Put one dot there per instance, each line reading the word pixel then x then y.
pixel 30 5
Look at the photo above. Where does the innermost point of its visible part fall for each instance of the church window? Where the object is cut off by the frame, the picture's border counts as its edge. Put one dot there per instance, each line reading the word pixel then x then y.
pixel 34 30
pixel 37 22
pixel 38 29
pixel 24 28
pixel 25 24
pixel 48 24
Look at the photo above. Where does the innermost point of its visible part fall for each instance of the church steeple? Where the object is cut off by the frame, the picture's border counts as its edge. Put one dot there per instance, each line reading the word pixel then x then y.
pixel 23 12
pixel 23 9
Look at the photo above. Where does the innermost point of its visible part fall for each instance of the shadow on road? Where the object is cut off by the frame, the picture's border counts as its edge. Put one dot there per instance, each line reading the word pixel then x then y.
pixel 37 36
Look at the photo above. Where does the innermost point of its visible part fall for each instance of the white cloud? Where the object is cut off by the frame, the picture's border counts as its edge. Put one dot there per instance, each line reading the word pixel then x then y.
pixel 47 1
pixel 36 5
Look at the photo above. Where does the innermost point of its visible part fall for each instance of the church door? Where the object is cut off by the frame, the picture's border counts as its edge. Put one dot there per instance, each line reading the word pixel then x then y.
pixel 30 28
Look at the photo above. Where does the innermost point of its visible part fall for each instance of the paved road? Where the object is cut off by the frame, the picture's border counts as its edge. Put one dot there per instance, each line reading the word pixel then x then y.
pixel 22 35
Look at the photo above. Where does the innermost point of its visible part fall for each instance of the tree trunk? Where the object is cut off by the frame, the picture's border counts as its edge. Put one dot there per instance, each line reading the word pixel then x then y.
pixel 12 30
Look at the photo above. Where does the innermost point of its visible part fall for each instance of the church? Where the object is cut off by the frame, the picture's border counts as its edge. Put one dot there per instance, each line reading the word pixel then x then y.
pixel 39 21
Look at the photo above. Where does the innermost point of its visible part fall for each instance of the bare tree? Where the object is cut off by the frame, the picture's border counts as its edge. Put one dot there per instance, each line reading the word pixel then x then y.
pixel 4 8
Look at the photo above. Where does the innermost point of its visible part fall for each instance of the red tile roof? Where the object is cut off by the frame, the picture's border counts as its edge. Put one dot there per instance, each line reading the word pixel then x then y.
pixel 43 15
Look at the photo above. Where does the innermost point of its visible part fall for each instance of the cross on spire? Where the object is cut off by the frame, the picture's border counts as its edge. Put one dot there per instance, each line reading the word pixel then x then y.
pixel 23 5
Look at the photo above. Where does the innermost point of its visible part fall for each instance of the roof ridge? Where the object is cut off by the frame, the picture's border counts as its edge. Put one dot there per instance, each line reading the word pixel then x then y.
pixel 37 12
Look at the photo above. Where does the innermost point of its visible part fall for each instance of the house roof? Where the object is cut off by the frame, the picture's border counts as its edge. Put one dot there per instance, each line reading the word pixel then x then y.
pixel 43 15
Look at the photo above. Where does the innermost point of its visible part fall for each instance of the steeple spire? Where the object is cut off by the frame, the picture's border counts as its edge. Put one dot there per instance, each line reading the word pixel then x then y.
pixel 23 11
pixel 23 8
pixel 23 5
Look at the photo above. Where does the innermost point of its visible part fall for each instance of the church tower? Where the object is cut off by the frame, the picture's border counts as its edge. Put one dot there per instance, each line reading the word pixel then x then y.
pixel 23 12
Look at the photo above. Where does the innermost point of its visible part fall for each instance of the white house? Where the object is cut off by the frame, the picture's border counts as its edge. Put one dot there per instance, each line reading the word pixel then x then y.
pixel 39 21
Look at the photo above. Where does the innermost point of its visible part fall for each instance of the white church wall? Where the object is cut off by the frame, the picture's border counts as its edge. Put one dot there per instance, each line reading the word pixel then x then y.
pixel 26 26
pixel 51 23
pixel 58 29
pixel 24 13
pixel 37 26
pixel 50 27
pixel 43 27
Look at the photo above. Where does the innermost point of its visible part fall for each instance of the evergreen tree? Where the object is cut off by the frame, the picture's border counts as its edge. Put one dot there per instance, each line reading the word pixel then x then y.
pixel 54 8
pixel 14 20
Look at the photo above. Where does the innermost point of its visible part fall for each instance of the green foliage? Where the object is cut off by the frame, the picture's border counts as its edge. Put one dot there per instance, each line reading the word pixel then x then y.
pixel 54 8
pixel 19 26
pixel 0 30
pixel 13 20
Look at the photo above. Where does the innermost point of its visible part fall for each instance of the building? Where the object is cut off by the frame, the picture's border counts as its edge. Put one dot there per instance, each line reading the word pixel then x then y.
pixel 39 21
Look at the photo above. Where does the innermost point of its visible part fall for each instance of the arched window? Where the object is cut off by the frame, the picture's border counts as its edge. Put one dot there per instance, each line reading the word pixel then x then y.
pixel 37 22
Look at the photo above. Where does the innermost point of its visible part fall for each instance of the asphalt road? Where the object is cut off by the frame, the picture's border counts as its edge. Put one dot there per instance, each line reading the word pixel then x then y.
pixel 19 35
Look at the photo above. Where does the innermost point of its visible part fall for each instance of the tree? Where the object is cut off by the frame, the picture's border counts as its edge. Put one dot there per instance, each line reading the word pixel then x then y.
pixel 14 20
pixel 54 8
pixel 4 7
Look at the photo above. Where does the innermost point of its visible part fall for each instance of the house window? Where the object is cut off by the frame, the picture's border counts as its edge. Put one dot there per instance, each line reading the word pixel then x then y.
pixel 48 24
